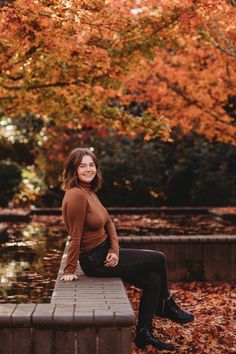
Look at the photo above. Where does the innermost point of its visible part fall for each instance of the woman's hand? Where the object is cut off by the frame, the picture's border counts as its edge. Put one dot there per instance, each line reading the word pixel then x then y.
pixel 69 277
pixel 111 260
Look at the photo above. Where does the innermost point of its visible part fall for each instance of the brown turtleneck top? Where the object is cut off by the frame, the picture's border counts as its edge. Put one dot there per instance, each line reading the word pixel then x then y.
pixel 87 222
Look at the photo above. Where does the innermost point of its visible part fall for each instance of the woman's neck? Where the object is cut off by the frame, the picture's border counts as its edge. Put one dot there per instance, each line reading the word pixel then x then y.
pixel 86 185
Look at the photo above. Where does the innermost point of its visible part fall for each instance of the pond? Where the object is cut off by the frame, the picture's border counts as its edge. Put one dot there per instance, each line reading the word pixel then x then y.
pixel 31 253
pixel 30 259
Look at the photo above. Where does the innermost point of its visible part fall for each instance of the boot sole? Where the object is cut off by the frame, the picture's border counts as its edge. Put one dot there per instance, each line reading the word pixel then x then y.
pixel 143 346
pixel 179 322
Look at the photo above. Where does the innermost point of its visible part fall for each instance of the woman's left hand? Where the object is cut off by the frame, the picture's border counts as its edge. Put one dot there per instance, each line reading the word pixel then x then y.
pixel 111 260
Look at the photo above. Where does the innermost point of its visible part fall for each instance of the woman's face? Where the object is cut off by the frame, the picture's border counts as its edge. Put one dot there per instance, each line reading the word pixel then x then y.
pixel 87 169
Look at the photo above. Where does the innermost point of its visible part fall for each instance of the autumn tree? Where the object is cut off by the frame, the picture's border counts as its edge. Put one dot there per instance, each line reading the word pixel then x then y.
pixel 160 70
pixel 191 81
pixel 59 59
pixel 82 63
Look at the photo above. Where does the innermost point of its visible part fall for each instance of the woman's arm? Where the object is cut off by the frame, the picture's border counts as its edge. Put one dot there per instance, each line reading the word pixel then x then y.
pixel 75 212
pixel 111 231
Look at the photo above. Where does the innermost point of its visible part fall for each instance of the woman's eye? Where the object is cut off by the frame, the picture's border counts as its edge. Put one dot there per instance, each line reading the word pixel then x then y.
pixel 92 165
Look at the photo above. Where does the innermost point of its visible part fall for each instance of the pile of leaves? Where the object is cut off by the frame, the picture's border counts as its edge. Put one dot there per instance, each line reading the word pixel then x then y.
pixel 224 210
pixel 214 328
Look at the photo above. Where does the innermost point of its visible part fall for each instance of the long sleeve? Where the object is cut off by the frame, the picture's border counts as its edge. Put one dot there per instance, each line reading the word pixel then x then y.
pixel 74 216
pixel 111 231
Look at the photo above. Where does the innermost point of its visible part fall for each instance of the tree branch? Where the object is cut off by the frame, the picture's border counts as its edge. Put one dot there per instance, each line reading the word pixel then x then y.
pixel 229 49
pixel 39 86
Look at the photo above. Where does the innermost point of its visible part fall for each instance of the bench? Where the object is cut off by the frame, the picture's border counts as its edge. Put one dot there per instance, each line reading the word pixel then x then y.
pixel 101 310
pixel 86 316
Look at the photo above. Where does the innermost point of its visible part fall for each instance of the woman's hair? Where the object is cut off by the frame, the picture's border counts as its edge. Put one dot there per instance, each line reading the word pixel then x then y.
pixel 70 177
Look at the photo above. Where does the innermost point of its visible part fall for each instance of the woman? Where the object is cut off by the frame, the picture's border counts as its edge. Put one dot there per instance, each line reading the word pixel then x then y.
pixel 93 240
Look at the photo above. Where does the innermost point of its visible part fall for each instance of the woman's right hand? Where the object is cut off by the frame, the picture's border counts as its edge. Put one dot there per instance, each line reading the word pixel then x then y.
pixel 69 277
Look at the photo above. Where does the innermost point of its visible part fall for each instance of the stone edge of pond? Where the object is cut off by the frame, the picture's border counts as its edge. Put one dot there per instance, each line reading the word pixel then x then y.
pixel 66 315
pixel 177 239
pixel 6 215
pixel 132 210
pixel 15 217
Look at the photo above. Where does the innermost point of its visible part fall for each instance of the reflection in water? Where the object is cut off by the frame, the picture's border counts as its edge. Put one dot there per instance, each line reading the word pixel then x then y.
pixel 30 259
pixel 8 272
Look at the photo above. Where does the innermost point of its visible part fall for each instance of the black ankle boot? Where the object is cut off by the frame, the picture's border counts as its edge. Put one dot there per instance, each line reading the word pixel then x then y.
pixel 145 337
pixel 169 309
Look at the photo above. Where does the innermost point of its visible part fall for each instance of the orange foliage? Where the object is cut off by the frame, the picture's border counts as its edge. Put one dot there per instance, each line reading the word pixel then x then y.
pixel 84 61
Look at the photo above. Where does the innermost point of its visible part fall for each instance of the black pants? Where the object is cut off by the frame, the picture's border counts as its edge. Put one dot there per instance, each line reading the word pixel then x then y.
pixel 145 269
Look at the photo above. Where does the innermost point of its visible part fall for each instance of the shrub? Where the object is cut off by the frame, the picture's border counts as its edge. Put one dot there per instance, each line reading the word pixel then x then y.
pixel 10 179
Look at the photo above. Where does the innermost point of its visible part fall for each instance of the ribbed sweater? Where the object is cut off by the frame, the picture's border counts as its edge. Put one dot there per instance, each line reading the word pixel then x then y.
pixel 87 222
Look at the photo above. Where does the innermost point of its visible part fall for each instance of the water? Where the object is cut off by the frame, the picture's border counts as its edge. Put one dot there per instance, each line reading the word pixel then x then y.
pixel 30 258
pixel 30 254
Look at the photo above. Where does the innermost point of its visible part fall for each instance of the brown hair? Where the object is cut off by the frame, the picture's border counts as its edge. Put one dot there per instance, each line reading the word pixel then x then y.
pixel 70 177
